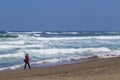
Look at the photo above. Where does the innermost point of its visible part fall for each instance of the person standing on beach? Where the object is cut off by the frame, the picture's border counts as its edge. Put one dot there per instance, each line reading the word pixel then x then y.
pixel 26 60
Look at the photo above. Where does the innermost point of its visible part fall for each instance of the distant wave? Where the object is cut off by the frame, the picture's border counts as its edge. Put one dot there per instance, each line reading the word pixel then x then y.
pixel 2 47
pixel 57 52
pixel 12 42
pixel 89 37
pixel 13 55
pixel 57 34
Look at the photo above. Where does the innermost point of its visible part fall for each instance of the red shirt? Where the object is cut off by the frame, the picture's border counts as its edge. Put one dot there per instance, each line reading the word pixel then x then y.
pixel 27 58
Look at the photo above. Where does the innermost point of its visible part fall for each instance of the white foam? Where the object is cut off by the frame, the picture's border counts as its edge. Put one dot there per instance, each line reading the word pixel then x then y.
pixel 69 32
pixel 15 55
pixel 79 38
pixel 6 46
pixel 14 67
pixel 52 33
pixel 55 51
pixel 46 61
pixel 56 60
pixel 2 47
pixel 13 42
pixel 107 37
pixel 109 54
pixel 36 35
pixel 1 69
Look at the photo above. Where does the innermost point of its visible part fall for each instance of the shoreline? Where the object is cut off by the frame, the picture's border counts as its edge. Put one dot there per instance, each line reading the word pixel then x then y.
pixel 97 69
pixel 58 63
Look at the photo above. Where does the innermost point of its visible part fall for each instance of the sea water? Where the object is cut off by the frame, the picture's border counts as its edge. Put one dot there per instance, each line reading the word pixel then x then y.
pixel 55 47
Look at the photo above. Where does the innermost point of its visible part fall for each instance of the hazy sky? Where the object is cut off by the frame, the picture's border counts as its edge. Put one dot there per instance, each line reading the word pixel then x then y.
pixel 60 15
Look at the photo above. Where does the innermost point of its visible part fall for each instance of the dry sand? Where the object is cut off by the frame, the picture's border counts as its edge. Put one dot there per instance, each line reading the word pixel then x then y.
pixel 98 69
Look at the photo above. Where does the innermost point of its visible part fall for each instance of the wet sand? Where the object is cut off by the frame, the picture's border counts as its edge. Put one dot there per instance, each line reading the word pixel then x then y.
pixel 97 69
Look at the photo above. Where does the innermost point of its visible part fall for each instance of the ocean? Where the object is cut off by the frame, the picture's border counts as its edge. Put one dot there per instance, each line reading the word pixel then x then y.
pixel 55 47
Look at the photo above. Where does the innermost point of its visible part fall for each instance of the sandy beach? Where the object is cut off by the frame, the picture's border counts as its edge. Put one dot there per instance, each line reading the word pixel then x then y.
pixel 98 69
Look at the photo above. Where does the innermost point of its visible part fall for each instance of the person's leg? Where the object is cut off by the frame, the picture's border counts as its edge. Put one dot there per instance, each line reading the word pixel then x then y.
pixel 25 65
pixel 29 65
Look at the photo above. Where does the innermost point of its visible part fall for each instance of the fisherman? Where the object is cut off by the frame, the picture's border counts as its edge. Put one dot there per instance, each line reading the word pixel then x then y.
pixel 26 60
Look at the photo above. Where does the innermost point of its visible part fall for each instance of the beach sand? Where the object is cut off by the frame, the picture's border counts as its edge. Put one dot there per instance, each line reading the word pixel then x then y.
pixel 97 69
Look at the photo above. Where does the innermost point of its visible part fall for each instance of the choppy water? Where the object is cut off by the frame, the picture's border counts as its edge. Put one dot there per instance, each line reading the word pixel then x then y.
pixel 55 47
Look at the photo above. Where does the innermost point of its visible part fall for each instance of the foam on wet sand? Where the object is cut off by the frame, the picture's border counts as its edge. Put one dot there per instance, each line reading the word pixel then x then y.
pixel 97 69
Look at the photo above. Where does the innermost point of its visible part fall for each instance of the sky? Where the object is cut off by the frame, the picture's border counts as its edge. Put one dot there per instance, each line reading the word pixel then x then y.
pixel 59 15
